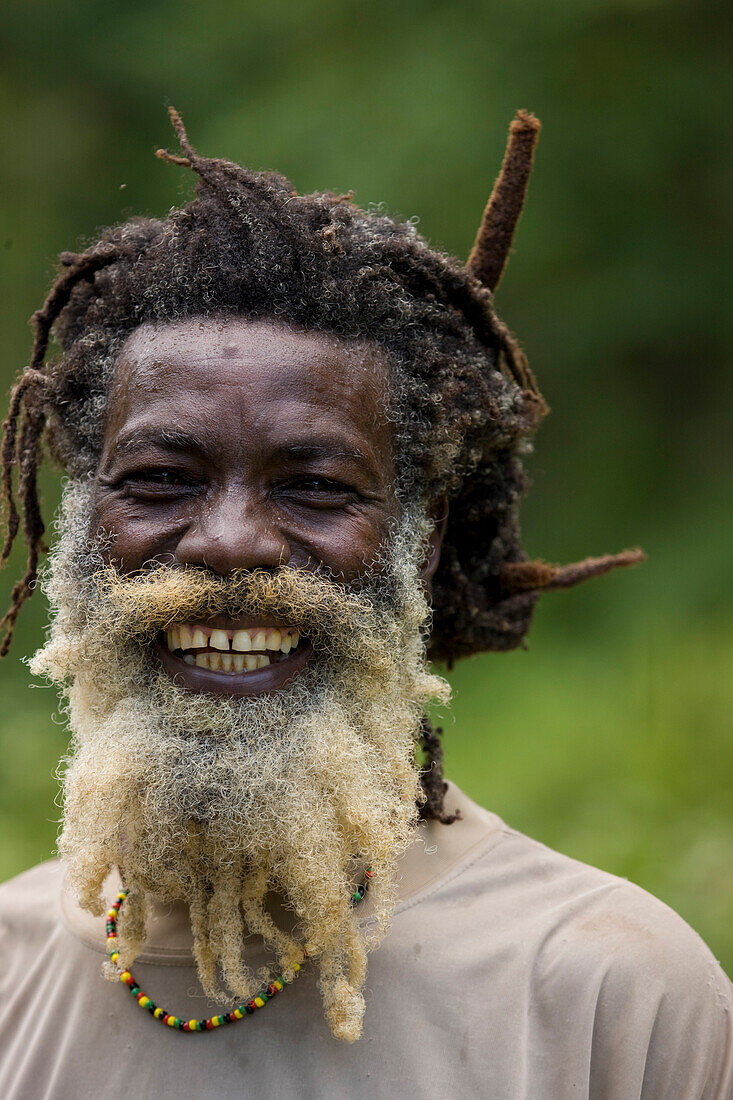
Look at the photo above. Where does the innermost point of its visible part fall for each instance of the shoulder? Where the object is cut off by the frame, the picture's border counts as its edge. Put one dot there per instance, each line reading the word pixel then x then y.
pixel 31 898
pixel 607 958
pixel 560 908
pixel 593 915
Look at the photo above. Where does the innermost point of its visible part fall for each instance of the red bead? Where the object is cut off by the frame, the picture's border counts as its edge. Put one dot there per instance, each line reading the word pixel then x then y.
pixel 232 1017
pixel 165 1017
pixel 209 1025
pixel 186 1027
pixel 272 990
pixel 130 981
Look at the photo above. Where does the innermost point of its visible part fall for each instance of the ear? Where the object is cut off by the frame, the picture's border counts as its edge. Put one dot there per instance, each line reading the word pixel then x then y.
pixel 438 516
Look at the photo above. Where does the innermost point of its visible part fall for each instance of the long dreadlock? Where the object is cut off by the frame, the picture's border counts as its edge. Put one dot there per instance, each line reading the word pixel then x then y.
pixel 465 404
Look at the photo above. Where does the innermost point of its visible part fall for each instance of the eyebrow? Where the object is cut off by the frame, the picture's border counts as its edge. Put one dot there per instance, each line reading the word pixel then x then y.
pixel 316 450
pixel 187 442
pixel 170 438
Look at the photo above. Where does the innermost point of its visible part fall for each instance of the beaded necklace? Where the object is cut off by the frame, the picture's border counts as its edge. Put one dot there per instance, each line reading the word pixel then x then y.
pixel 211 1022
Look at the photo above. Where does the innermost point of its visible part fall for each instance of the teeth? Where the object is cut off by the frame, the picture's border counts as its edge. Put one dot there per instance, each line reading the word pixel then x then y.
pixel 210 661
pixel 242 642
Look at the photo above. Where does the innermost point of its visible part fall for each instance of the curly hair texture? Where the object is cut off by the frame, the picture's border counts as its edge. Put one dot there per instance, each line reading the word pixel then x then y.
pixel 218 799
pixel 464 403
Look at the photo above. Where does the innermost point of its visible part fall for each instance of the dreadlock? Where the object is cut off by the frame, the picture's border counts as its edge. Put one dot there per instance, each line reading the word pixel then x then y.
pixel 463 400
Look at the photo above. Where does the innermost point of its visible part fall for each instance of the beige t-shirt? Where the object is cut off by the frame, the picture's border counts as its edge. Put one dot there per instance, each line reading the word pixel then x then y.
pixel 510 972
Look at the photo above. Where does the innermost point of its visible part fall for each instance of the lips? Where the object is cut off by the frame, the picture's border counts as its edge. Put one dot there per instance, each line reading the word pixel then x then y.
pixel 234 660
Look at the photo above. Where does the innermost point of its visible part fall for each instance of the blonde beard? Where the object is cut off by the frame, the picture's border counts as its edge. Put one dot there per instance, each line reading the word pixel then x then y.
pixel 219 800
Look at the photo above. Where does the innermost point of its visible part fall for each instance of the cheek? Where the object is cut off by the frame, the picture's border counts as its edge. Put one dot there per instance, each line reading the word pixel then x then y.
pixel 348 544
pixel 138 536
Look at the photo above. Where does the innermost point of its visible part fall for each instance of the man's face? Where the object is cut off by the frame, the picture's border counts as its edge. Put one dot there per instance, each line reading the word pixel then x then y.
pixel 253 466
pixel 244 445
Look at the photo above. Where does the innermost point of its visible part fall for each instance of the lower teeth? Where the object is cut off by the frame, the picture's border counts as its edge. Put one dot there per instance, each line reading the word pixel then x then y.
pixel 237 662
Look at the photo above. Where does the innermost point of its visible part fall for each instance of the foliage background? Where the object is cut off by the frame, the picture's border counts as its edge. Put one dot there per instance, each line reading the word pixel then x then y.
pixel 609 738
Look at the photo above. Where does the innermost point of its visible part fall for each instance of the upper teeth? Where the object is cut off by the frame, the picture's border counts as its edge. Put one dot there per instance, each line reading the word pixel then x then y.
pixel 259 638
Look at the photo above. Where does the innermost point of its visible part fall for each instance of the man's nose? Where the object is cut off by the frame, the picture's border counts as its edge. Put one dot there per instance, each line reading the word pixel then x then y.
pixel 233 530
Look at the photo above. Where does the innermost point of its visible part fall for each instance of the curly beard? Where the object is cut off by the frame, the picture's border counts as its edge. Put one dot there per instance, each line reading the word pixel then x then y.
pixel 218 800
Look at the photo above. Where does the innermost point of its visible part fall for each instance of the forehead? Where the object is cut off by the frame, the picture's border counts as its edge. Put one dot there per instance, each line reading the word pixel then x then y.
pixel 251 375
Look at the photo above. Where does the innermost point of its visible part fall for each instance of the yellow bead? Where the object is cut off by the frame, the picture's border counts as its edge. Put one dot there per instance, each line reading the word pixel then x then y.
pixel 238 1014
pixel 216 1021
pixel 143 1001
pixel 171 1021
pixel 158 1013
pixel 296 967
pixel 192 1024
pixel 259 1002
pixel 278 985
pixel 125 976
pixel 115 956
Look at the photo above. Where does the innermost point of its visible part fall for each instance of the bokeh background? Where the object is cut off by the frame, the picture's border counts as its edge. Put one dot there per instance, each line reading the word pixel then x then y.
pixel 609 738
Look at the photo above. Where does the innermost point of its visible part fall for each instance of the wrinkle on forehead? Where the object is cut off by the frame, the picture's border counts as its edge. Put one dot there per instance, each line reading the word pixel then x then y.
pixel 258 342
pixel 292 378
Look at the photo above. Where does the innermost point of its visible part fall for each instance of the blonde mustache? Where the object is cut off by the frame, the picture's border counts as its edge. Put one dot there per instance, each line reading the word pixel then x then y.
pixel 337 621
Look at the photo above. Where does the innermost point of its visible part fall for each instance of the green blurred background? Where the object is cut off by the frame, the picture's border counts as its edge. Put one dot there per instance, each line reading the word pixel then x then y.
pixel 609 738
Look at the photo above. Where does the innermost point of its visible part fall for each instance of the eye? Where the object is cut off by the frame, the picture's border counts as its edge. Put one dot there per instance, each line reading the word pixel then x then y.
pixel 161 477
pixel 318 491
pixel 320 485
pixel 155 482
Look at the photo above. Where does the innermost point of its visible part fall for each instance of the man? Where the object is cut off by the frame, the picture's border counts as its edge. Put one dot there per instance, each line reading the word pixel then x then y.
pixel 290 427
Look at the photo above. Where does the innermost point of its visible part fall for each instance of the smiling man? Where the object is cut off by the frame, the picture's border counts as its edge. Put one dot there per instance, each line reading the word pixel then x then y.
pixel 293 434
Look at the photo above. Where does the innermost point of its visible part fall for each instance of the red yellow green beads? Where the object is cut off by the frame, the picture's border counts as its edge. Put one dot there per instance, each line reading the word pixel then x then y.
pixel 212 1022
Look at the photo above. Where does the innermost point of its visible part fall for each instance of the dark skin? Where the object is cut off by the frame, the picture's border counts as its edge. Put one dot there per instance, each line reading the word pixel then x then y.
pixel 240 444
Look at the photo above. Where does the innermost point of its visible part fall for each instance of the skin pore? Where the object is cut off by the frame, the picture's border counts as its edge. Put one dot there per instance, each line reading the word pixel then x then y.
pixel 241 445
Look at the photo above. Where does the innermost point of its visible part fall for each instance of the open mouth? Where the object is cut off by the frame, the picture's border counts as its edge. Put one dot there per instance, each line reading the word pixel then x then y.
pixel 236 660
